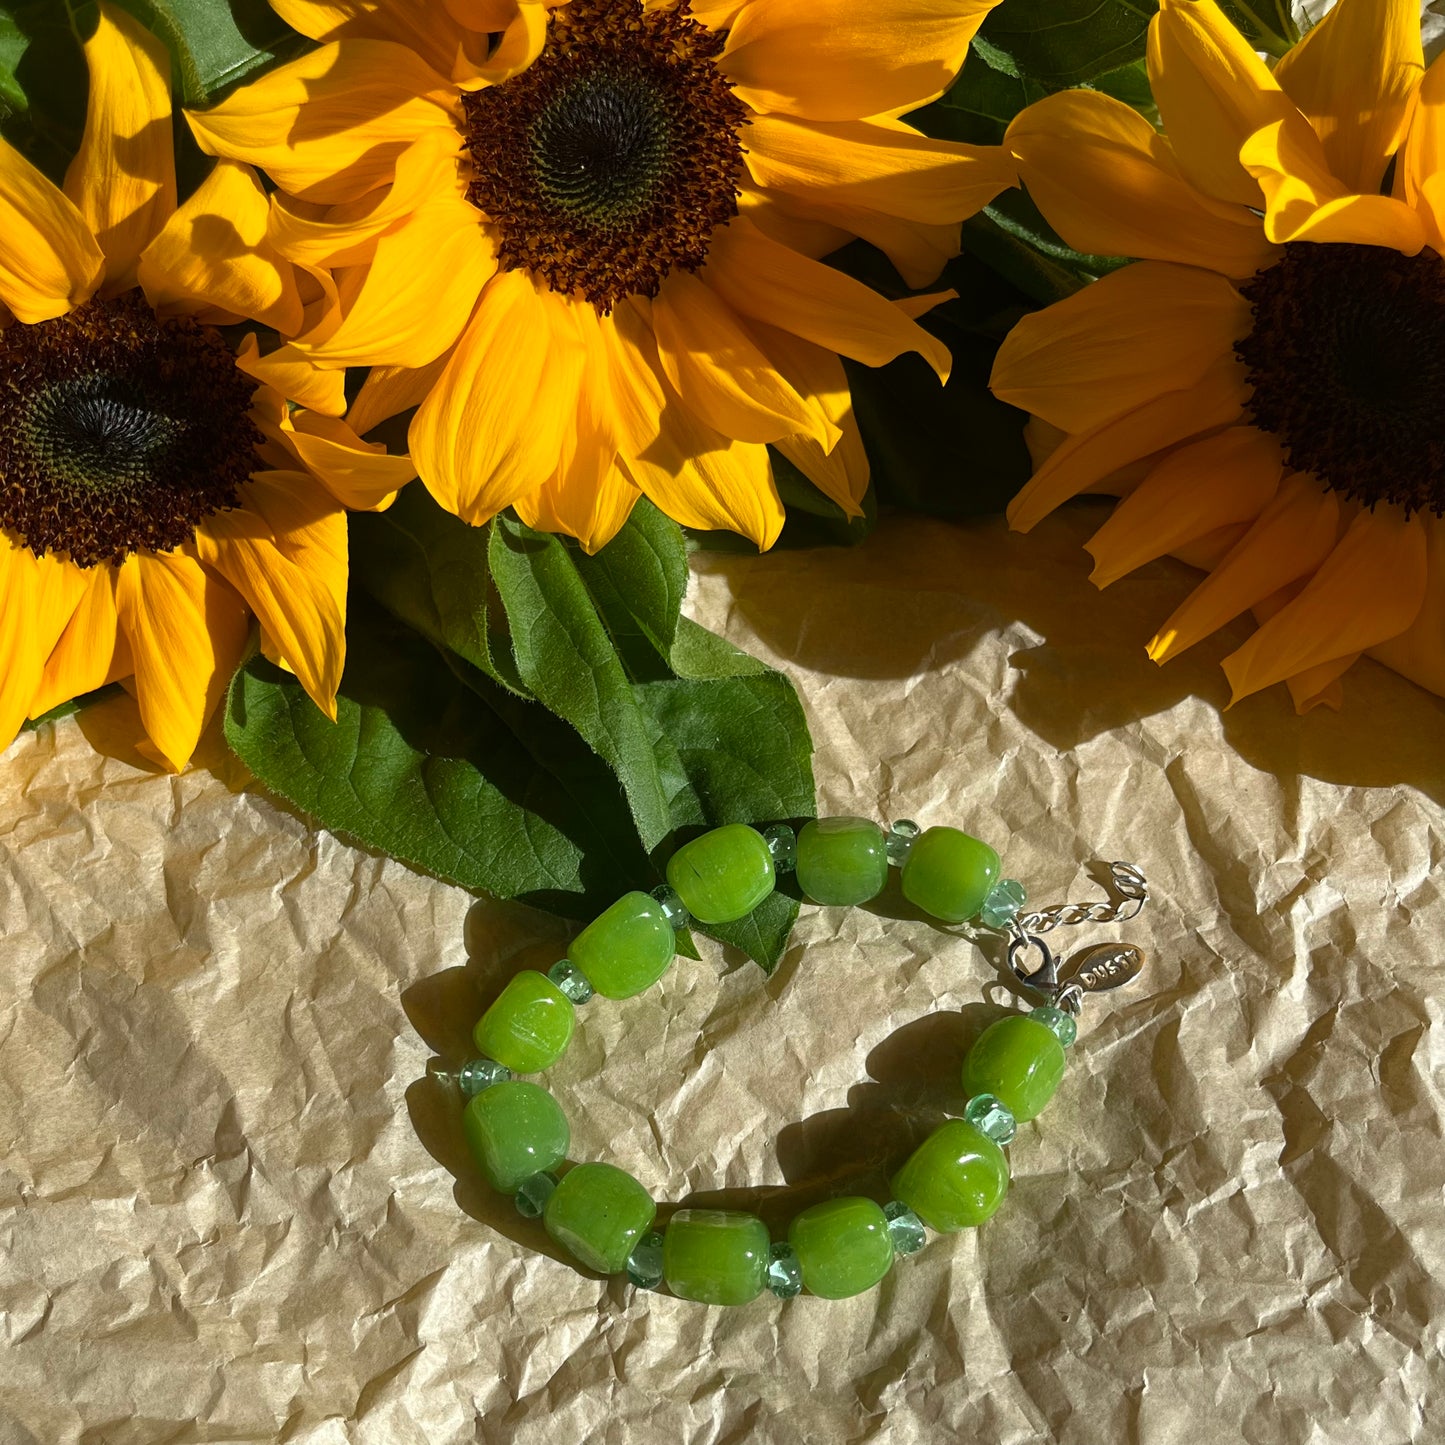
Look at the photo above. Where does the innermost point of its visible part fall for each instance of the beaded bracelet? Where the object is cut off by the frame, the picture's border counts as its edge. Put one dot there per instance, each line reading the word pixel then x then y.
pixel 956 1178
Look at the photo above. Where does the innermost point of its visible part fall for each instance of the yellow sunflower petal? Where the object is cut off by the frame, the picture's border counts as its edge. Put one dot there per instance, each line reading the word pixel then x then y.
pixel 1216 400
pixel 710 359
pixel 1226 478
pixel 1108 184
pixel 1354 76
pixel 38 596
pixel 283 548
pixel 390 390
pixel 1128 338
pixel 421 25
pixel 1419 651
pixel 418 291
pixel 841 472
pixel 876 166
pixel 494 425
pixel 1369 589
pixel 703 479
pixel 769 281
pixel 1293 535
pixel 360 475
pixel 292 375
pixel 521 43
pixel 1422 161
pixel 1213 93
pixel 123 178
pixel 186 631
pixel 213 252
pixel 838 60
pixel 91 652
pixel 1320 686
pixel 1304 202
pixel 49 260
pixel 330 125
pixel 591 509
pixel 347 234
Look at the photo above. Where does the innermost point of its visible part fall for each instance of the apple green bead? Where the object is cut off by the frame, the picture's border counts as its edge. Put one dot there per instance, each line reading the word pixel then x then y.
pixel 955 1179
pixel 842 860
pixel 626 948
pixel 716 1256
pixel 1019 1061
pixel 529 1025
pixel 515 1130
pixel 843 1246
pixel 723 875
pixel 949 874
pixel 598 1213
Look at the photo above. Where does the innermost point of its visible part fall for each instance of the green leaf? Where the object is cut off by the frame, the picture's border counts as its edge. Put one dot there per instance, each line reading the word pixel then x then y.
pixel 13 44
pixel 567 660
pixel 428 768
pixel 430 570
pixel 1063 43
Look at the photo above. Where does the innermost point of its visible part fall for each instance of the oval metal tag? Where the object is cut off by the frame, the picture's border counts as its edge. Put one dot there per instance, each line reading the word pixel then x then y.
pixel 1102 967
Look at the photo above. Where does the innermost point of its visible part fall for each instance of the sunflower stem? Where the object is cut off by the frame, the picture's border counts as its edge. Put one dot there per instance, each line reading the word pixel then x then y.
pixel 1271 25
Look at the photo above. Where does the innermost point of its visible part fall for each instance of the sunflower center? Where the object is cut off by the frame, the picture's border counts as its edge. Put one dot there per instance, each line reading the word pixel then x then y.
pixel 119 431
pixel 614 156
pixel 1347 361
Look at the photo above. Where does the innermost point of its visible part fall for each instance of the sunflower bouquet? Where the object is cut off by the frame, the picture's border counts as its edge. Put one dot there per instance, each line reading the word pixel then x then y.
pixel 368 369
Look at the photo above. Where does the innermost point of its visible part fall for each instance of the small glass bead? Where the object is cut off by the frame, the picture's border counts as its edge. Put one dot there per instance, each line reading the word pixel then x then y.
pixel 571 980
pixel 905 1228
pixel 1063 1026
pixel 783 845
pixel 1002 905
pixel 900 841
pixel 479 1074
pixel 785 1274
pixel 673 908
pixel 532 1195
pixel 644 1264
pixel 991 1117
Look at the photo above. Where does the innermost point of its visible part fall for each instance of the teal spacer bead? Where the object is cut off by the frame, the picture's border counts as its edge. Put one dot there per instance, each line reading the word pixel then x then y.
pixel 644 1264
pixel 571 980
pixel 1063 1025
pixel 783 845
pixel 626 948
pixel 842 860
pixel 673 908
pixel 479 1074
pixel 533 1193
pixel 901 837
pixel 1002 905
pixel 905 1228
pixel 991 1116
pixel 785 1274
pixel 723 875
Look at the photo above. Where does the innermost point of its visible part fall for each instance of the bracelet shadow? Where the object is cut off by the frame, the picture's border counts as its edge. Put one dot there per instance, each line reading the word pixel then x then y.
pixel 913 1083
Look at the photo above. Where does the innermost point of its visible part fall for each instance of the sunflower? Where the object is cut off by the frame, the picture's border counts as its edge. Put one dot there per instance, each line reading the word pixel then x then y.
pixel 1264 387
pixel 155 488
pixel 598 276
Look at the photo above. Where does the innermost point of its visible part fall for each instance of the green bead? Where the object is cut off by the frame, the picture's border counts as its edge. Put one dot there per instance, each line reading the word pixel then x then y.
pixel 529 1025
pixel 598 1213
pixel 723 875
pixel 843 1246
pixel 1002 905
pixel 1019 1061
pixel 842 860
pixel 949 874
pixel 515 1130
pixel 715 1256
pixel 626 948
pixel 956 1178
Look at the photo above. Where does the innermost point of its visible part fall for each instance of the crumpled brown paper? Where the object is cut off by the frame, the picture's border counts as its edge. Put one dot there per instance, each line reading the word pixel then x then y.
pixel 236 1206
